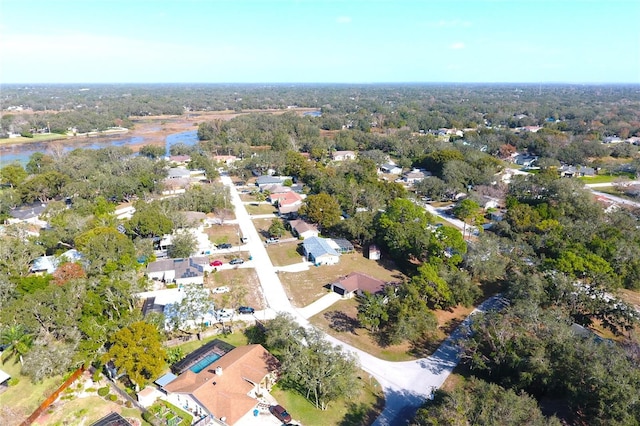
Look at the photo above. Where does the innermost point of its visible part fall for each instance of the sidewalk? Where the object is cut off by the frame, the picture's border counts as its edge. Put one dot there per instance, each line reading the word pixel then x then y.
pixel 319 305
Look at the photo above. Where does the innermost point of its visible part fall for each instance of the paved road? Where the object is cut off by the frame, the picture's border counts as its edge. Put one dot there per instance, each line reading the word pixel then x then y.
pixel 618 200
pixel 406 385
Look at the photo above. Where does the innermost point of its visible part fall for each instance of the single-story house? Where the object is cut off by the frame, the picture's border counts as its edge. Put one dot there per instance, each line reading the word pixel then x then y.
pixel 265 180
pixel 275 188
pixel 525 160
pixel 49 264
pixel 356 283
pixel 225 159
pixel 178 173
pixel 180 271
pixel 285 198
pixel 28 214
pixel 180 159
pixel 572 171
pixel 302 229
pixel 343 155
pixel 415 175
pixel 226 389
pixel 318 251
pixel 390 169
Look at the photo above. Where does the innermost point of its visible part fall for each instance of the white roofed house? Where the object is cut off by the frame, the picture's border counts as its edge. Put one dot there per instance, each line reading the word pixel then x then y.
pixel 319 251
pixel 343 155
pixel 415 175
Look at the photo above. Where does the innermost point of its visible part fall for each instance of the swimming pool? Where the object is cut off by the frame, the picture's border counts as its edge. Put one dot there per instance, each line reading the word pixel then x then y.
pixel 204 363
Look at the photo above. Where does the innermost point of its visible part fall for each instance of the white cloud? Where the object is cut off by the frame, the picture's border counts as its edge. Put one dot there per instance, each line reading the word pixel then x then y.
pixel 457 45
pixel 343 19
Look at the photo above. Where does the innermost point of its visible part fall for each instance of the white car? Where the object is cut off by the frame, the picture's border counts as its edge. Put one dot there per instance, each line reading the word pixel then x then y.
pixel 220 290
pixel 224 314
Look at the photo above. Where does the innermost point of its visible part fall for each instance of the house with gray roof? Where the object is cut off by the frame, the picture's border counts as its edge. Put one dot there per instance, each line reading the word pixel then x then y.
pixel 319 251
pixel 179 271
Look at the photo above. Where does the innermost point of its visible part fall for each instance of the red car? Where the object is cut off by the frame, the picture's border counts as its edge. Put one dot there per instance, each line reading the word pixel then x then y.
pixel 216 263
pixel 280 413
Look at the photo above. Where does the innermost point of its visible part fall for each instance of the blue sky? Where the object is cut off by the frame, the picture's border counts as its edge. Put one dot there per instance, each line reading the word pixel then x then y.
pixel 346 41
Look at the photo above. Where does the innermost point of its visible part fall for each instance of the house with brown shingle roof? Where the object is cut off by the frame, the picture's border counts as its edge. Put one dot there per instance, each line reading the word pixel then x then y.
pixel 228 388
pixel 302 229
pixel 356 283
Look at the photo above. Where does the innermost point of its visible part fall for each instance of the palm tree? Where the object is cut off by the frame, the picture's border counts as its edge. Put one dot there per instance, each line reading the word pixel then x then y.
pixel 17 342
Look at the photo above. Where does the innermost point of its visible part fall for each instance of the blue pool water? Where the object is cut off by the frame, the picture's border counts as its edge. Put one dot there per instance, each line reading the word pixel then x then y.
pixel 204 363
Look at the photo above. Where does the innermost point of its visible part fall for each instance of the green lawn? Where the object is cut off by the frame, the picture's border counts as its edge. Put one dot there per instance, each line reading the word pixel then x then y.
pixel 283 254
pixel 25 397
pixel 257 209
pixel 236 339
pixel 360 411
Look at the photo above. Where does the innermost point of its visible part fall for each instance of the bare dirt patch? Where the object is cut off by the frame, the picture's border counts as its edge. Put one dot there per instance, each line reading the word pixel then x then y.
pixel 219 234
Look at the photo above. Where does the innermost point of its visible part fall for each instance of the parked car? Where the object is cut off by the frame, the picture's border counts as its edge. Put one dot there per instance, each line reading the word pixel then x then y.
pixel 216 263
pixel 220 290
pixel 246 310
pixel 272 240
pixel 280 413
pixel 236 261
pixel 224 246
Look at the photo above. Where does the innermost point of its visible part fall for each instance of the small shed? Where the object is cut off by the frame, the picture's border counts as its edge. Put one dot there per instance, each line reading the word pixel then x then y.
pixel 147 396
pixel 374 252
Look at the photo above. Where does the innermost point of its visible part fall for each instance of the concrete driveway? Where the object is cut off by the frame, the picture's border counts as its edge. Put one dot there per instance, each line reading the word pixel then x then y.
pixel 406 385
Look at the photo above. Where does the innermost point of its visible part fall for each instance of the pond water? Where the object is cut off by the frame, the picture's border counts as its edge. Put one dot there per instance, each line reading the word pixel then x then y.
pixel 21 153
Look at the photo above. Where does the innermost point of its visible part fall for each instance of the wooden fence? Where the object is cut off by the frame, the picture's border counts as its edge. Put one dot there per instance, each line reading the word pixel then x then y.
pixel 51 399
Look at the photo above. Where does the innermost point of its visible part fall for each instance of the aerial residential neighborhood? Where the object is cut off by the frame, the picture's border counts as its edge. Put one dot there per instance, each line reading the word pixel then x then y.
pixel 306 213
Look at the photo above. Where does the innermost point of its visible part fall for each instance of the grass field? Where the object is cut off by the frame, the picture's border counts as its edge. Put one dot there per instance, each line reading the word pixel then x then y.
pixel 286 253
pixel 261 208
pixel 305 287
pixel 360 411
pixel 35 138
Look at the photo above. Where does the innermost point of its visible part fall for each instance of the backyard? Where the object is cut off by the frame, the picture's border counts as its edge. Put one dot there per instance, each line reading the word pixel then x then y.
pixel 362 409
pixel 307 286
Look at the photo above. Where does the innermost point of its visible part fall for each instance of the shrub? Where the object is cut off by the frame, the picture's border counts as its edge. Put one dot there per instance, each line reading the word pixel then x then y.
pixel 13 381
pixel 112 397
pixel 128 404
pixel 103 391
pixel 97 374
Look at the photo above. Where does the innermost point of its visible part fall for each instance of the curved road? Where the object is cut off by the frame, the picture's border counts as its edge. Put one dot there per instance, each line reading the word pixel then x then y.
pixel 406 385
